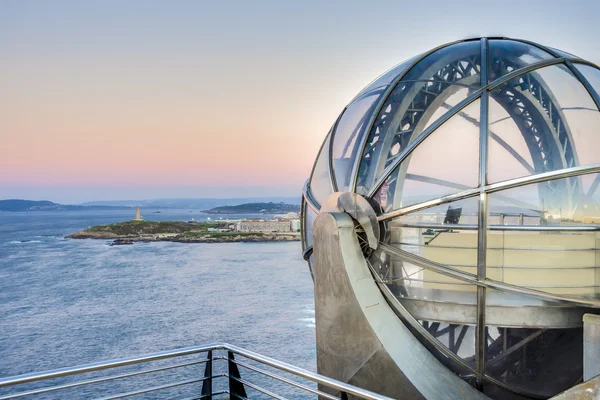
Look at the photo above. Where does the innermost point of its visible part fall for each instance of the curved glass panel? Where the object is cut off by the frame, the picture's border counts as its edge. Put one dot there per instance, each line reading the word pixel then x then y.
pixel 320 182
pixel 387 77
pixel 431 298
pixel 445 234
pixel 446 162
pixel 505 56
pixel 562 53
pixel 534 251
pixel 457 63
pixel 591 74
pixel 303 208
pixel 308 225
pixel 348 136
pixel 542 121
pixel 411 108
pixel 426 92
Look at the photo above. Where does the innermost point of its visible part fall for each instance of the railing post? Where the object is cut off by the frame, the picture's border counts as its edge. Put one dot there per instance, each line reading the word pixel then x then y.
pixel 236 388
pixel 207 383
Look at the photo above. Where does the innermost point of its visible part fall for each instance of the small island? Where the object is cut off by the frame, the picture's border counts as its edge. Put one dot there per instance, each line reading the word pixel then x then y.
pixel 133 231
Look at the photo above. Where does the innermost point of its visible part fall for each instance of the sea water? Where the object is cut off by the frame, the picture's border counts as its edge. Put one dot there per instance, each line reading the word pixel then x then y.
pixel 65 302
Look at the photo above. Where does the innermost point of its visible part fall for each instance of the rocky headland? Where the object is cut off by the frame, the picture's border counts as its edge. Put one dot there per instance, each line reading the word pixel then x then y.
pixel 130 232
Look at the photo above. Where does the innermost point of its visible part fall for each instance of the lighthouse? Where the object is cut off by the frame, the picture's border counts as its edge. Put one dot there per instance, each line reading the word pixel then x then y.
pixel 138 216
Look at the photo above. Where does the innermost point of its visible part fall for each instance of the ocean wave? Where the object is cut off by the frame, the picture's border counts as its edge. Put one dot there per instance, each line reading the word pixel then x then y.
pixel 24 241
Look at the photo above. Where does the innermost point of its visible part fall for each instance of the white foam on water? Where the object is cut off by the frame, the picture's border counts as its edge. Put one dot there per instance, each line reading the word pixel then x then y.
pixel 24 241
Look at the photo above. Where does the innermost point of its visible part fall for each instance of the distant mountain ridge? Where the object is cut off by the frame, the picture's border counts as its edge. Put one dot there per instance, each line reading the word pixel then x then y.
pixel 191 203
pixel 200 204
pixel 256 208
pixel 46 205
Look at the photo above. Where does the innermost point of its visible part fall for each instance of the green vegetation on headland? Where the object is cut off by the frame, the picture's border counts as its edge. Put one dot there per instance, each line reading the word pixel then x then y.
pixel 176 231
pixel 256 208
pixel 135 228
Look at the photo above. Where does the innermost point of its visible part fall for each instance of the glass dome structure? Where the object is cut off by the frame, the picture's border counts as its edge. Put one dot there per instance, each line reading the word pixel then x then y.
pixel 480 158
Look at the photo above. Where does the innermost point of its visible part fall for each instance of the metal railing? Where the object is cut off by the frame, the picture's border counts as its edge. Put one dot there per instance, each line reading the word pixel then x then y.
pixel 229 383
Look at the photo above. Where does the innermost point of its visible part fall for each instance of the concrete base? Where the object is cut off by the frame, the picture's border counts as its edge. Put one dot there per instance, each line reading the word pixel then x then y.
pixel 589 390
pixel 359 338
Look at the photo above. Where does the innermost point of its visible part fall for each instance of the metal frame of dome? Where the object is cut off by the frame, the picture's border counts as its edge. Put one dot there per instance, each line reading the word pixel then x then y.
pixel 310 204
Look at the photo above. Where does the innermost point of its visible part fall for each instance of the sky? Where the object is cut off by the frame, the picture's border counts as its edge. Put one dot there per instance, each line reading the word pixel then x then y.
pixel 152 99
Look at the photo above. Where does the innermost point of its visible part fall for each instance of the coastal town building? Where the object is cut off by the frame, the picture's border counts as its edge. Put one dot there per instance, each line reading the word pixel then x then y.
pixel 262 225
pixel 295 225
pixel 269 225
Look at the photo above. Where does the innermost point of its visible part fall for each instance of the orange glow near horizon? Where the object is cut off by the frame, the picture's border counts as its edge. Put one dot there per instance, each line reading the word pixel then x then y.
pixel 206 94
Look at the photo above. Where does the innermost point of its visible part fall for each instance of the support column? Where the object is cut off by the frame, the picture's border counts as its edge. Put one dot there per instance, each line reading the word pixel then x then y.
pixel 360 340
pixel 591 346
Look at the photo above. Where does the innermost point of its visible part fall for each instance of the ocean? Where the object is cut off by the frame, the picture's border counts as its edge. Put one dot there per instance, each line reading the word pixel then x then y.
pixel 65 302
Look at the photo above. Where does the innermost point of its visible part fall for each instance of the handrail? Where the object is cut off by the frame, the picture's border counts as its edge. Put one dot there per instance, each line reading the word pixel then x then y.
pixel 97 366
pixel 323 380
pixel 234 376
pixel 528 228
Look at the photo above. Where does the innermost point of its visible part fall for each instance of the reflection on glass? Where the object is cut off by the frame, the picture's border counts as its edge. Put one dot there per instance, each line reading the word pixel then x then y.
pixel 320 182
pixel 303 222
pixel 562 53
pixel 387 77
pixel 542 121
pixel 409 111
pixel 446 162
pixel 457 63
pixel 554 261
pixel 508 55
pixel 310 219
pixel 412 285
pixel 348 131
pixel 591 74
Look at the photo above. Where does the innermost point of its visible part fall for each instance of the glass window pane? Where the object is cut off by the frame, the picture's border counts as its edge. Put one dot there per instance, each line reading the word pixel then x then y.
pixel 446 162
pixel 457 63
pixel 411 108
pixel 433 86
pixel 303 207
pixel 434 300
pixel 387 77
pixel 591 74
pixel 445 234
pixel 508 55
pixel 320 182
pixel 310 219
pixel 561 262
pixel 562 53
pixel 542 121
pixel 348 136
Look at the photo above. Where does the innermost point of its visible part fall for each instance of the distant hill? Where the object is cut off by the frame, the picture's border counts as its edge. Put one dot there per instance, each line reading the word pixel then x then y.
pixel 45 205
pixel 256 208
pixel 199 203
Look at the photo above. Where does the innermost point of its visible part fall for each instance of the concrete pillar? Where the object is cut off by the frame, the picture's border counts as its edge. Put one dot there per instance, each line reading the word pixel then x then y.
pixel 591 346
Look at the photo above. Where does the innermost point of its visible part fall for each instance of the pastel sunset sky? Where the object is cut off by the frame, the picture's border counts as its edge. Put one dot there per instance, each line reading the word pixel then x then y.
pixel 141 99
